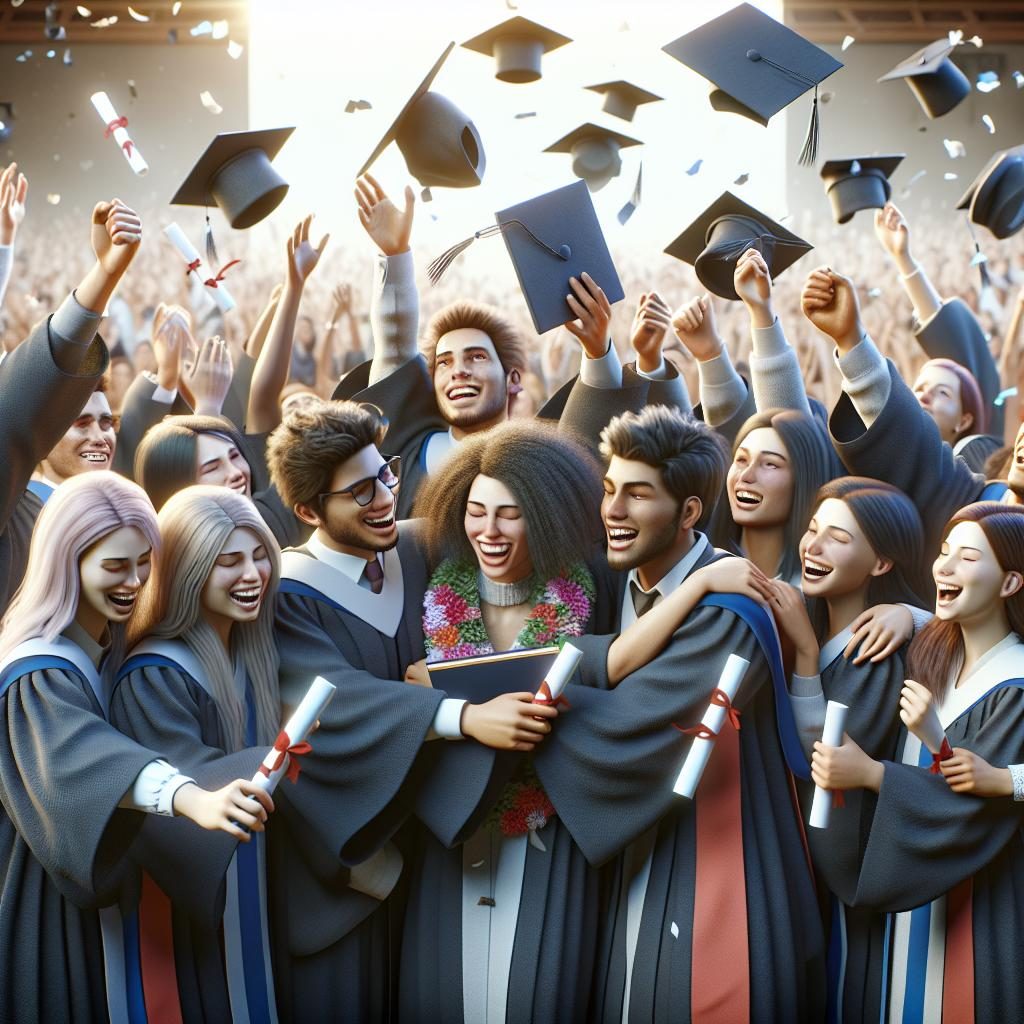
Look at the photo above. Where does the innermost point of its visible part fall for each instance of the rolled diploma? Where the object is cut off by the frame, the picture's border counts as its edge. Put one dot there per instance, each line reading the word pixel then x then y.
pixel 930 731
pixel 101 101
pixel 180 241
pixel 298 728
pixel 831 736
pixel 697 758
pixel 559 674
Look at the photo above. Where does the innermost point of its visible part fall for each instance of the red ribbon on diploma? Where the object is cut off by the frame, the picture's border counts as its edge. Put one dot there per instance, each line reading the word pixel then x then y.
pixel 211 282
pixel 194 265
pixel 128 146
pixel 945 752
pixel 721 700
pixel 544 697
pixel 838 800
pixel 120 122
pixel 285 748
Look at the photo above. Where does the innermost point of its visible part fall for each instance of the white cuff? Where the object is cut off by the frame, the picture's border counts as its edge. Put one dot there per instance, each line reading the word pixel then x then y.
pixel 605 372
pixel 447 723
pixel 165 396
pixel 660 372
pixel 913 273
pixel 154 788
pixel 1017 774
pixel 769 341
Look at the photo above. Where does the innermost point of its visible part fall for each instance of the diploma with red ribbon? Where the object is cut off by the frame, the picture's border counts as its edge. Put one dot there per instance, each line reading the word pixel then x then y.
pixel 193 261
pixel 704 735
pixel 945 752
pixel 550 691
pixel 933 736
pixel 117 126
pixel 832 736
pixel 290 745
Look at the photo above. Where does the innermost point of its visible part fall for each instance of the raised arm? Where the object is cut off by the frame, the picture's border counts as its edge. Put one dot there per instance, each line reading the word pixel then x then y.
pixel 893 234
pixel 13 190
pixel 271 372
pixel 258 335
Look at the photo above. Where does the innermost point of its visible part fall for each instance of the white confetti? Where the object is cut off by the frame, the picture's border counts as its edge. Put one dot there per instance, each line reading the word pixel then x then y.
pixel 22 57
pixel 848 41
pixel 175 8
pixel 67 57
pixel 204 28
pixel 675 930
pixel 988 81
pixel 210 103
pixel 51 54
pixel 977 40
pixel 954 148
pixel 105 22
pixel 874 293
pixel 478 864
pixel 949 176
pixel 1019 79
pixel 84 11
pixel 220 29
pixel 53 198
pixel 956 37
pixel 988 123
pixel 137 16
pixel 235 50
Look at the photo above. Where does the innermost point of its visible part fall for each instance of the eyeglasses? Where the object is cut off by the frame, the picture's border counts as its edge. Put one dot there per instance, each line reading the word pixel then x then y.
pixel 363 491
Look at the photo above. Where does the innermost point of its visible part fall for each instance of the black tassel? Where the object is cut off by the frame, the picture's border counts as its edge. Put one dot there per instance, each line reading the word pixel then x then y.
pixel 980 259
pixel 809 154
pixel 436 269
pixel 212 259
pixel 630 208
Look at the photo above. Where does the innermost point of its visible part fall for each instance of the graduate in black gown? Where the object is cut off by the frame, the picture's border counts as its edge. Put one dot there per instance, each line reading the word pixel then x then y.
pixel 946 863
pixel 71 786
pixel 200 683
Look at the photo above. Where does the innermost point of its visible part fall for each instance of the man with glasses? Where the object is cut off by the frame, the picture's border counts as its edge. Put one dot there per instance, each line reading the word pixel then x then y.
pixel 350 608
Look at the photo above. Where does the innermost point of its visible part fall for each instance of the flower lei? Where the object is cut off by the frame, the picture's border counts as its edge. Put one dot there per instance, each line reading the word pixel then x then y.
pixel 453 627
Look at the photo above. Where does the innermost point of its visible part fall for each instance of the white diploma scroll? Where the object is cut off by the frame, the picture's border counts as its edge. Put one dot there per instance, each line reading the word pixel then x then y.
pixel 697 758
pixel 831 736
pixel 296 729
pixel 930 731
pixel 558 675
pixel 180 241
pixel 101 101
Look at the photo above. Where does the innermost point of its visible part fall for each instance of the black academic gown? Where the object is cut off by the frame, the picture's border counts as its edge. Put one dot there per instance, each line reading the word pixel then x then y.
pixel 336 945
pixel 45 382
pixel 63 845
pixel 609 767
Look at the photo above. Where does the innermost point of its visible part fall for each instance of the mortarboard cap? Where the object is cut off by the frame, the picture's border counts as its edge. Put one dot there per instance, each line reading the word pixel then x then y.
pixel 235 172
pixel 550 238
pixel 758 65
pixel 996 197
pixel 622 98
pixel 934 79
pixel 517 46
pixel 725 231
pixel 440 144
pixel 595 153
pixel 858 183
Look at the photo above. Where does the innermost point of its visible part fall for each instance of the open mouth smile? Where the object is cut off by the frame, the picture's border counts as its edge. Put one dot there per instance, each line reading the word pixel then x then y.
pixel 620 537
pixel 248 598
pixel 947 593
pixel 815 570
pixel 749 499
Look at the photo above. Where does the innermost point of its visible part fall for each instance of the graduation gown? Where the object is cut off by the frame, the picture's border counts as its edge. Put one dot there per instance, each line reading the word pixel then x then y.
pixel 953 860
pixel 63 840
pixel 334 941
pixel 202 915
pixel 712 914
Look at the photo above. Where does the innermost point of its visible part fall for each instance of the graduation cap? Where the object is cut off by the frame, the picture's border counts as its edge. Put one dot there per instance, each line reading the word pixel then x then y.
pixel 622 98
pixel 995 198
pixel 934 79
pixel 758 65
pixel 550 238
pixel 595 153
pixel 235 172
pixel 858 183
pixel 725 231
pixel 517 46
pixel 440 144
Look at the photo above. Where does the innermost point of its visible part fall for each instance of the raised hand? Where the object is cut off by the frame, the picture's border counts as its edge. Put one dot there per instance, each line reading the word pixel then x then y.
pixel 302 256
pixel 694 324
pixel 13 190
pixel 342 295
pixel 172 340
pixel 510 721
pixel 829 301
pixel 116 234
pixel 753 283
pixel 647 335
pixel 209 378
pixel 385 223
pixel 593 313
pixel 918 714
pixel 236 807
pixel 893 231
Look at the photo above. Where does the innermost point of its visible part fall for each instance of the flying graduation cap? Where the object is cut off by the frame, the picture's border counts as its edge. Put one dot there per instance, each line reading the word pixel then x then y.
pixel 622 98
pixel 440 144
pixel 858 183
pixel 595 153
pixel 934 79
pixel 716 240
pixel 517 46
pixel 549 239
pixel 758 67
pixel 995 199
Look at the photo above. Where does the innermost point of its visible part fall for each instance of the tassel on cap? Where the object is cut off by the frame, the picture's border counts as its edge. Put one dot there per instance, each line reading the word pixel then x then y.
pixel 979 260
pixel 809 154
pixel 211 249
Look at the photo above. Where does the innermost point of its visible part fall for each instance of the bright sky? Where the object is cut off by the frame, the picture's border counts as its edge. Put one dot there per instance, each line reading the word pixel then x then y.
pixel 307 63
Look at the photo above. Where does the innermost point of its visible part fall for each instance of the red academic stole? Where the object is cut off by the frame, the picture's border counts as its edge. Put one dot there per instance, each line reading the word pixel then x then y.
pixel 156 955
pixel 720 959
pixel 958 966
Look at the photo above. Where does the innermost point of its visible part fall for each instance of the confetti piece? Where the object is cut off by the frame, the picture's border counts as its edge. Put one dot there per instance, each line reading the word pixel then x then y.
pixel 1004 395
pixel 138 17
pixel 987 81
pixel 956 37
pixel 175 8
pixel 478 864
pixel 691 171
pixel 977 40
pixel 954 148
pixel 988 123
pixel 51 54
pixel 874 293
pixel 916 178
pixel 742 179
pixel 855 167
pixel 53 198
pixel 675 930
pixel 204 28
pixel 220 29
pixel 235 50
pixel 427 196
pixel 84 11
pixel 1018 79
pixel 949 176
pixel 210 103
pixel 172 36
pixel 827 97
pixel 511 6
pixel 527 113
pixel 354 105
pixel 848 41
pixel 105 22
pixel 67 57
pixel 132 89
pixel 24 56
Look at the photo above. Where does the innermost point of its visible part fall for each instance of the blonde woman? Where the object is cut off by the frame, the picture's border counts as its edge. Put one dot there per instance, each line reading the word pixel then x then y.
pixel 71 785
pixel 201 683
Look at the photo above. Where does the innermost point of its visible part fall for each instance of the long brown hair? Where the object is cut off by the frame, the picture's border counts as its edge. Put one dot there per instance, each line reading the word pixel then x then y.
pixel 940 645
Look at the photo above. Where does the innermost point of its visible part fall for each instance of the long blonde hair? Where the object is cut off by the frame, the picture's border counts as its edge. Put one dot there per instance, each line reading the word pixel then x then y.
pixel 194 525
pixel 80 513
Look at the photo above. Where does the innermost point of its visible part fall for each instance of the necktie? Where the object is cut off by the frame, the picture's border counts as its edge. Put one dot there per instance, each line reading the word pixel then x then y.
pixel 375 575
pixel 642 602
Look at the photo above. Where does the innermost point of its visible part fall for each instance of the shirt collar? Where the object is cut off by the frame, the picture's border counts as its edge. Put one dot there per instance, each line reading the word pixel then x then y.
pixel 675 576
pixel 351 565
pixel 95 652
